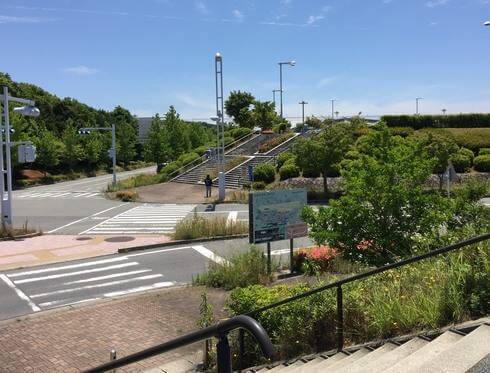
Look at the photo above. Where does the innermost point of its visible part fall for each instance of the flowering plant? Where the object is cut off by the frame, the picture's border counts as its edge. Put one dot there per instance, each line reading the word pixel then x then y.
pixel 314 260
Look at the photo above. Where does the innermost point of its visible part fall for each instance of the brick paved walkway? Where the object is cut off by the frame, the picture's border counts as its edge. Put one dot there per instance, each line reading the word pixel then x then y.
pixel 70 340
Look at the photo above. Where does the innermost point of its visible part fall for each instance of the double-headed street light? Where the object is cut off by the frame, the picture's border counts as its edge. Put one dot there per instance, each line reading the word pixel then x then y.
pixel 6 163
pixel 417 99
pixel 112 151
pixel 303 103
pixel 289 63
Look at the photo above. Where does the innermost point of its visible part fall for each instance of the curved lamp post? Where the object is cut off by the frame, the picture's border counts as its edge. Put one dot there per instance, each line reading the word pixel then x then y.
pixel 289 63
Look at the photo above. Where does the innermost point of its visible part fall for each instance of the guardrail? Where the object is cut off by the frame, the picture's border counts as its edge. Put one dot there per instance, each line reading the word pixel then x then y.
pixel 360 276
pixel 220 331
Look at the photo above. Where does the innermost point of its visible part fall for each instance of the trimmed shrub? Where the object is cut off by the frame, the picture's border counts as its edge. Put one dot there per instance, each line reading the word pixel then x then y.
pixel 484 151
pixel 264 172
pixel 239 132
pixel 201 149
pixel 289 170
pixel 171 167
pixel 467 152
pixel 482 163
pixel 283 158
pixel 438 121
pixel 187 158
pixel 313 261
pixel 402 131
pixel 461 162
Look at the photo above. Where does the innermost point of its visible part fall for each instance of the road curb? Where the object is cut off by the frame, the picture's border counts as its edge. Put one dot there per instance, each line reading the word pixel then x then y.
pixel 179 242
pixel 21 237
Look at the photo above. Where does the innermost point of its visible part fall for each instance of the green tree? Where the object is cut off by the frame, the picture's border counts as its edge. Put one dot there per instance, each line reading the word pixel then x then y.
pixel 49 150
pixel 264 115
pixel 72 151
pixel 156 146
pixel 177 139
pixel 126 134
pixel 93 149
pixel 385 206
pixel 238 107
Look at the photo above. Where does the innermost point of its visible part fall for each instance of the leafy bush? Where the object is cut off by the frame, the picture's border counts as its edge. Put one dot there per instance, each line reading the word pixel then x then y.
pixel 461 162
pixel 484 151
pixel 201 227
pixel 171 167
pixel 272 143
pixel 429 294
pixel 289 170
pixel 239 132
pixel 482 163
pixel 243 269
pixel 314 261
pixel 402 131
pixel 264 172
pixel 127 195
pixel 201 149
pixel 468 153
pixel 187 158
pixel 438 121
pixel 258 185
pixel 283 158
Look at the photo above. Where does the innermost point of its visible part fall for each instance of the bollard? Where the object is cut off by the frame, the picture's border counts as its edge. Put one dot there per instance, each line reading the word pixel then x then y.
pixel 113 356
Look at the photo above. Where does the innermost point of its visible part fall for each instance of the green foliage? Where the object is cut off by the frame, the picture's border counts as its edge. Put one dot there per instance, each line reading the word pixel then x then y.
pixel 170 168
pixel 429 294
pixel 201 227
pixel 264 115
pixel 239 132
pixel 187 158
pixel 467 152
pixel 265 173
pixel 384 205
pixel 268 145
pixel 484 151
pixel 289 170
pixel 402 131
pixel 313 122
pixel 461 162
pixel 283 158
pixel 72 151
pixel 471 138
pixel 258 185
pixel 94 147
pixel 49 150
pixel 482 163
pixel 238 107
pixel 242 269
pixel 438 121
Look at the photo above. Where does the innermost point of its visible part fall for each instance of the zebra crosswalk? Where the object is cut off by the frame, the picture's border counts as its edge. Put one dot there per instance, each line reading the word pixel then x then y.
pixel 63 194
pixel 63 285
pixel 144 219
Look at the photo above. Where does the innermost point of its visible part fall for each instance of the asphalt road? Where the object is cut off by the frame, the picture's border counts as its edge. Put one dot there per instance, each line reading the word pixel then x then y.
pixel 40 288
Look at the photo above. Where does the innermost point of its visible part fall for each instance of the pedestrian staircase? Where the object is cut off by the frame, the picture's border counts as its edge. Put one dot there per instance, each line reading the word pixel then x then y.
pixel 463 348
pixel 238 176
pixel 197 173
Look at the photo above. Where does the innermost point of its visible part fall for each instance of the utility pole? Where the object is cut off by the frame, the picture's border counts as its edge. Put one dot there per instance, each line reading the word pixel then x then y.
pixel 333 100
pixel 290 63
pixel 417 105
pixel 303 103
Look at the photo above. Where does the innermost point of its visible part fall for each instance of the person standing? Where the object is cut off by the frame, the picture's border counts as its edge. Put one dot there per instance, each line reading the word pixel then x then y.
pixel 209 183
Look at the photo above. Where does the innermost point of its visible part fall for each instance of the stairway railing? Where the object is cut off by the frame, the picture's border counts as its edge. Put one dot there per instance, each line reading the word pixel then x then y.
pixel 338 285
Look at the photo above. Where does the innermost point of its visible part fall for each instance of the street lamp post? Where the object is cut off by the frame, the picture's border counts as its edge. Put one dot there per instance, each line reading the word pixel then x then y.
pixel 220 125
pixel 290 63
pixel 336 115
pixel 303 103
pixel 417 99
pixel 28 110
pixel 112 151
pixel 274 96
pixel 333 101
pixel 444 111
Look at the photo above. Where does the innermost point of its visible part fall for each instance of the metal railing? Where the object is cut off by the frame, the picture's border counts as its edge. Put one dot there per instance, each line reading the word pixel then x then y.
pixel 338 286
pixel 219 330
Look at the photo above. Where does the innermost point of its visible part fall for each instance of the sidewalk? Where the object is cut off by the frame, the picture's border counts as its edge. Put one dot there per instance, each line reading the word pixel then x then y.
pixel 74 339
pixel 59 248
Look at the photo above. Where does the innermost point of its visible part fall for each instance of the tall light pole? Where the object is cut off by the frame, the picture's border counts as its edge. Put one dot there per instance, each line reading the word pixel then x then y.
pixel 417 99
pixel 303 103
pixel 333 101
pixel 28 110
pixel 290 63
pixel 274 96
pixel 220 125
pixel 444 111
pixel 112 151
pixel 337 115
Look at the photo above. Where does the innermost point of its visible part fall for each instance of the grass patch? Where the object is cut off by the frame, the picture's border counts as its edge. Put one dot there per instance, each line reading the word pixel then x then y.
pixel 240 270
pixel 201 227
pixel 136 181
pixel 11 232
pixel 237 196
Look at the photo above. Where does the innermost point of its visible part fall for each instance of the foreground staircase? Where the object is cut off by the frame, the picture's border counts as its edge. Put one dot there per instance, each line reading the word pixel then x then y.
pixel 464 348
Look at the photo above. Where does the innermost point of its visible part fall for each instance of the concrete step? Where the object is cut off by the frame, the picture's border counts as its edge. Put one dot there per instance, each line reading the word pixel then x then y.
pixel 325 363
pixel 358 365
pixel 391 358
pixel 426 353
pixel 341 363
pixel 462 355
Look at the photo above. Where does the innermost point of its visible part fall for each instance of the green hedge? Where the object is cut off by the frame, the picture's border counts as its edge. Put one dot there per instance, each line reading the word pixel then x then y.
pixel 461 162
pixel 482 163
pixel 484 151
pixel 239 132
pixel 289 170
pixel 438 121
pixel 283 158
pixel 265 173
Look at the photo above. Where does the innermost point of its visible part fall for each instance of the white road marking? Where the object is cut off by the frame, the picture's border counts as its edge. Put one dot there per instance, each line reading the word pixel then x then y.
pixel 105 284
pixel 141 288
pixel 79 265
pixel 20 293
pixel 232 216
pixel 85 218
pixel 210 255
pixel 69 274
pixel 160 251
pixel 93 279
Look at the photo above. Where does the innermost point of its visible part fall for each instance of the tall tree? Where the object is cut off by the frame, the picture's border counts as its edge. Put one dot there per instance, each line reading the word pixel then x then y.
pixel 264 115
pixel 156 146
pixel 49 150
pixel 126 134
pixel 238 107
pixel 177 138
pixel 72 152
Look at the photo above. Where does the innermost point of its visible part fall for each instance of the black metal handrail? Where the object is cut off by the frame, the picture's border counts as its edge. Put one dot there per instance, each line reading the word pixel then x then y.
pixel 219 330
pixel 360 276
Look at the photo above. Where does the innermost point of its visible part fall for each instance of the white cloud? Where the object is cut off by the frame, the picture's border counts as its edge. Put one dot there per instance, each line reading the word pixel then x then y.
pixel 237 14
pixel 81 70
pixel 434 3
pixel 201 7
pixel 12 19
pixel 312 19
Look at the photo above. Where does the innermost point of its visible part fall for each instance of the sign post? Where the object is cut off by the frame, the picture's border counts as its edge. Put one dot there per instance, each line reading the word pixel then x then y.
pixel 275 216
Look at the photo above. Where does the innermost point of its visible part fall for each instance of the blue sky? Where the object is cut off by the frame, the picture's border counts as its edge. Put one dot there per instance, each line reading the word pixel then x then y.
pixel 374 56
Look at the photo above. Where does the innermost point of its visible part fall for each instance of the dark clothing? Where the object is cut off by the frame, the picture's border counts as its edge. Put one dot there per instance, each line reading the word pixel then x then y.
pixel 209 183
